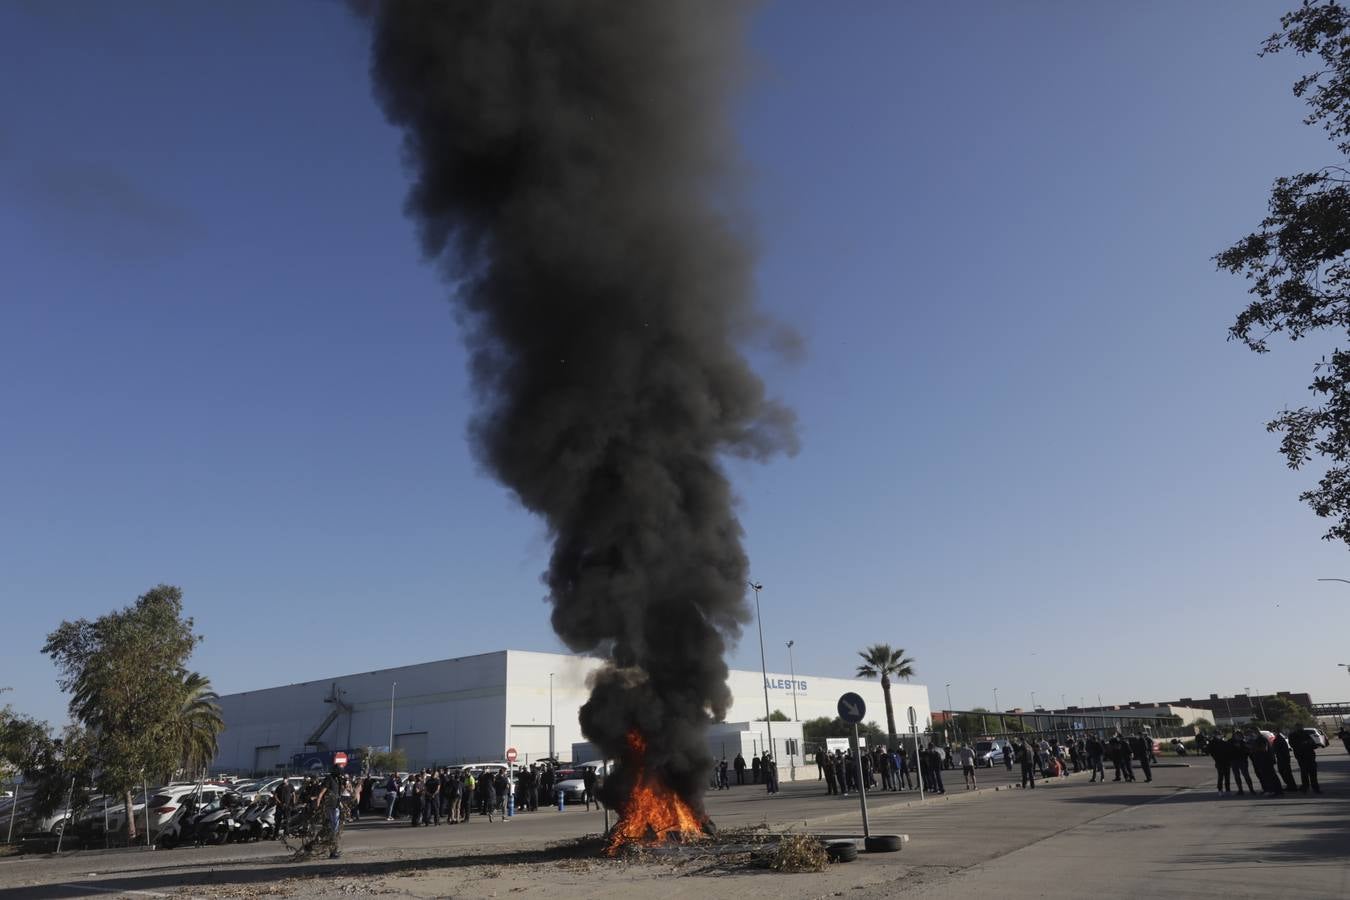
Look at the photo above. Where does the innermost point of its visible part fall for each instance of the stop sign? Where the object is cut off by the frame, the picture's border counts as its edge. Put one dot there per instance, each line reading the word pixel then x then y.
pixel 510 754
pixel 339 759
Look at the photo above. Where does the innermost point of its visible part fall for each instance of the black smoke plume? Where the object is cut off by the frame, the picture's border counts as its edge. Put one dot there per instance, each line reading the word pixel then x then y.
pixel 574 173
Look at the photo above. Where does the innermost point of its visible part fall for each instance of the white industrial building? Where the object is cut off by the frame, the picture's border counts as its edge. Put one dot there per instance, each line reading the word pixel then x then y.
pixel 472 708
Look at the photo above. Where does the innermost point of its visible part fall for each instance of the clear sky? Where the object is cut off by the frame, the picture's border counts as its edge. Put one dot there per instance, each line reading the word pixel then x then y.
pixel 1029 455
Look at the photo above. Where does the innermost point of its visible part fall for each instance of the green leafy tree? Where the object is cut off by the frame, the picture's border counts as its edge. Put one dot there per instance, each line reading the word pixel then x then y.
pixel 395 760
pixel 1297 267
pixel 880 661
pixel 776 716
pixel 125 674
pixel 197 724
pixel 817 730
pixel 1283 713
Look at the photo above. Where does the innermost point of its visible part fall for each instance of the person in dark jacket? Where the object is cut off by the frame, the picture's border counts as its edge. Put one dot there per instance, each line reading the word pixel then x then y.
pixel 754 769
pixel 1223 765
pixel 739 765
pixel 1143 752
pixel 1283 755
pixel 1026 755
pixel 1305 751
pixel 1263 761
pixel 1239 761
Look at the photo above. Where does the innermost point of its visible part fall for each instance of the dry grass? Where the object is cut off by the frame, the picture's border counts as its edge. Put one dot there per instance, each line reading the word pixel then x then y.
pixel 799 853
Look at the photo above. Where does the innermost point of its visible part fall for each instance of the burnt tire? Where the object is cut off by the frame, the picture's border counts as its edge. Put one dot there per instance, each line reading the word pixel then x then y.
pixel 882 843
pixel 841 851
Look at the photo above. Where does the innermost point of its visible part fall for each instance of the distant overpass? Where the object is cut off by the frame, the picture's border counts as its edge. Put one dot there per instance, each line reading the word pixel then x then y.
pixel 1331 709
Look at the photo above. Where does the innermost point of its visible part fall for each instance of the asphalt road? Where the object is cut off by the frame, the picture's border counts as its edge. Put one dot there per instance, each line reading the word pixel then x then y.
pixel 1114 839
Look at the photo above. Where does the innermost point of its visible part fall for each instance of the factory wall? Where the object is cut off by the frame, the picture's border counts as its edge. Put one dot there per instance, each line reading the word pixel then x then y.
pixel 470 709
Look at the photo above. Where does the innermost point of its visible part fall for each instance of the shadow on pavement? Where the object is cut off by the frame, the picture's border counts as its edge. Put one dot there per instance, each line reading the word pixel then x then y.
pixel 244 873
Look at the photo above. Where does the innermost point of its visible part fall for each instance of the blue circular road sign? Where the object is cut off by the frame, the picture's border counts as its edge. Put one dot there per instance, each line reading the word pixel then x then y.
pixel 852 708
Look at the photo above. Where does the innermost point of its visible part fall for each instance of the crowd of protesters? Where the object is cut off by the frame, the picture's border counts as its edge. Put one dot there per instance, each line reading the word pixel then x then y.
pixel 451 795
pixel 1237 756
pixel 1131 757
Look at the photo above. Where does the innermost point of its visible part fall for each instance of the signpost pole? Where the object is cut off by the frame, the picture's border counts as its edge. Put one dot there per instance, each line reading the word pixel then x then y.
pixel 918 760
pixel 862 785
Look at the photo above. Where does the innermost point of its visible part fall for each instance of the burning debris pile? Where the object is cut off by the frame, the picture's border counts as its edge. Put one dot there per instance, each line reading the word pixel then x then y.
pixel 574 174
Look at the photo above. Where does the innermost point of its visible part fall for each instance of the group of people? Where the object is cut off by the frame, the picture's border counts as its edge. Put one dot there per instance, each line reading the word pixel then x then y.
pixel 1051 757
pixel 896 768
pixel 434 794
pixel 762 769
pixel 1237 755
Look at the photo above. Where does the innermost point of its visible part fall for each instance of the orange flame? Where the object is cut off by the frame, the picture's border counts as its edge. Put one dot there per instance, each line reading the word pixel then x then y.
pixel 652 812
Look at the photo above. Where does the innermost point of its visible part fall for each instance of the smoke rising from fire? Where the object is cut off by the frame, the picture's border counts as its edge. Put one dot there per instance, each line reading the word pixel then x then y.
pixel 575 175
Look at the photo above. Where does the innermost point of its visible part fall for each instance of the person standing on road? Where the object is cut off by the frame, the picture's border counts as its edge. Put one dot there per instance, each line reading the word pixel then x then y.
pixel 754 768
pixel 1093 747
pixel 1026 755
pixel 285 797
pixel 415 791
pixel 1007 755
pixel 1344 735
pixel 770 769
pixel 1237 759
pixel 1263 761
pixel 1223 765
pixel 431 799
pixel 390 797
pixel 966 757
pixel 1144 750
pixel 329 801
pixel 1305 751
pixel 936 758
pixel 827 765
pixel 739 765
pixel 1283 753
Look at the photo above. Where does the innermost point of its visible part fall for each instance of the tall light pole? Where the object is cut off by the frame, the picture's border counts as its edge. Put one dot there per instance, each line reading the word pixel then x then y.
pixel 1261 704
pixel 392 688
pixel 1033 701
pixel 763 667
pixel 1345 666
pixel 792 671
pixel 949 710
pixel 1001 727
pixel 553 756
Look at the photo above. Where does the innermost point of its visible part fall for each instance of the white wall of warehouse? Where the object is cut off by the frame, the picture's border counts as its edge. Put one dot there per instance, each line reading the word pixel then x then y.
pixel 473 708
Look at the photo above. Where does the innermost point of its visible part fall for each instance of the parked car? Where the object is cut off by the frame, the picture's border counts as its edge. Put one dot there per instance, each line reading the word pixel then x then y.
pixel 988 754
pixel 1318 738
pixel 572 781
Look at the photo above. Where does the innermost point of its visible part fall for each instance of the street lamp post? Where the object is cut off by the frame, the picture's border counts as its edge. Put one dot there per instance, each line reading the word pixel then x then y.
pixel 392 688
pixel 792 671
pixel 1001 726
pixel 553 756
pixel 949 711
pixel 764 669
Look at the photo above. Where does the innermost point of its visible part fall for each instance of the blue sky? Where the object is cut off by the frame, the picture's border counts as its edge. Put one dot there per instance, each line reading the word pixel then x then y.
pixel 1029 455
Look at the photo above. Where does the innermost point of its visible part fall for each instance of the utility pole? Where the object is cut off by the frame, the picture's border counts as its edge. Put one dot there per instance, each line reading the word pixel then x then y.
pixel 792 671
pixel 392 688
pixel 764 669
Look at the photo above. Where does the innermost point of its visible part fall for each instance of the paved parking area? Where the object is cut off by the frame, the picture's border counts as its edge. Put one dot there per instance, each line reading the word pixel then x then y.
pixel 1116 840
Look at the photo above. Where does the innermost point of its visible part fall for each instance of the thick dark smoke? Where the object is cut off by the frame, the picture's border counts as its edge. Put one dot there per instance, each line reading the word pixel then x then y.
pixel 574 171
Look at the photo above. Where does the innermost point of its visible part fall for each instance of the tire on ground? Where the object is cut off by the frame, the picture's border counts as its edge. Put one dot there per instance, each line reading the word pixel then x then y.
pixel 841 851
pixel 882 843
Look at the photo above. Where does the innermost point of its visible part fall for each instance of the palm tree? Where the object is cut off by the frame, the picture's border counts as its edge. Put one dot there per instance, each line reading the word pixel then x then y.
pixel 194 729
pixel 880 661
